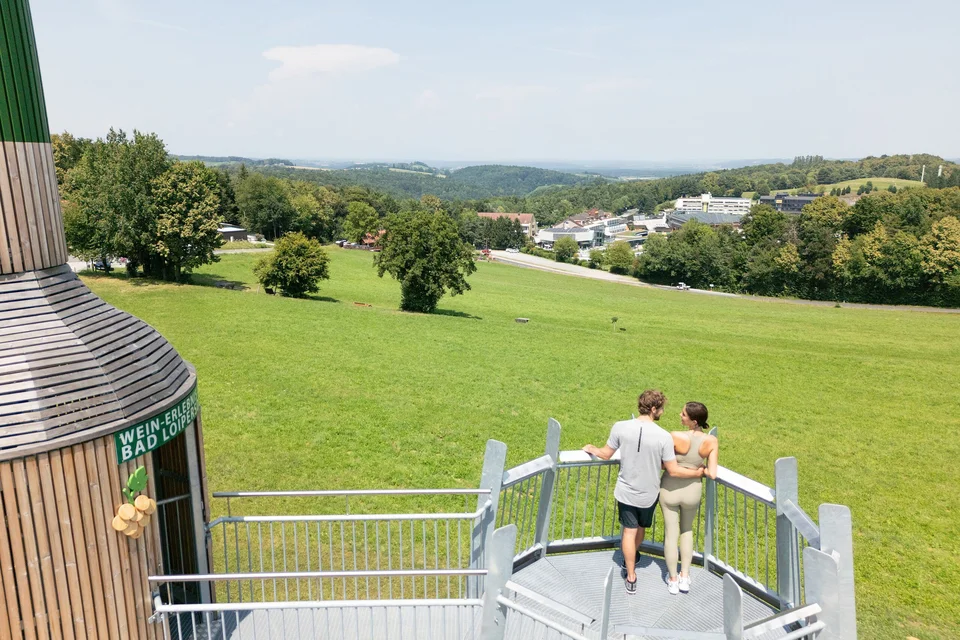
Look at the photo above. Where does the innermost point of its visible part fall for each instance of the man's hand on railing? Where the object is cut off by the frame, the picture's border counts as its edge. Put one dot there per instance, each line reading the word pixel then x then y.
pixel 603 453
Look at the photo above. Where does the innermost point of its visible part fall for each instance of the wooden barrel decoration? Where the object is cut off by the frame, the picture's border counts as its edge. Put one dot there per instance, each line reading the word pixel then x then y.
pixel 92 399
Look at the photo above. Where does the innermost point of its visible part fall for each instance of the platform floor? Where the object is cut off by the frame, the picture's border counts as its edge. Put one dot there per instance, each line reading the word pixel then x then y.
pixel 574 580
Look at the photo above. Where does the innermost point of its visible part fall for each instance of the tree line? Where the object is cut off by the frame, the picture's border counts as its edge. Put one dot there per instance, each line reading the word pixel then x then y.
pixel 893 248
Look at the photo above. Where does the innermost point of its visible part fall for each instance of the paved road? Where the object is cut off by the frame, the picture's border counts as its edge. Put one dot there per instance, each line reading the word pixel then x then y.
pixel 224 252
pixel 542 264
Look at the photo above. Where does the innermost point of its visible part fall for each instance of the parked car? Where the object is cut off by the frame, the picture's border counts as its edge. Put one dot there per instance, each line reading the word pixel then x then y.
pixel 513 250
pixel 682 286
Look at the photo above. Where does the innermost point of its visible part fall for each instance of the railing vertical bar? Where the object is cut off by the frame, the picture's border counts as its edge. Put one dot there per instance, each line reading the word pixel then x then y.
pixel 726 528
pixel 447 528
pixel 522 513
pixel 436 557
pixel 283 550
pixel 320 559
pixel 566 498
pixel 756 540
pixel 236 544
pixel 586 503
pixel 425 566
pixel 296 554
pixel 606 495
pixel 736 534
pixel 376 528
pixel 459 557
pixel 766 543
pixel 306 535
pixel 333 584
pixel 353 552
pixel 413 561
pixel 273 563
pixel 250 562
pixel 400 557
pixel 576 501
pixel 343 560
pixel 366 555
pixel 596 499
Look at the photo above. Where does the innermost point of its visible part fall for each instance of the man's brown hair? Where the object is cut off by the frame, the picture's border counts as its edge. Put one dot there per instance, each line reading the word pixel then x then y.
pixel 649 400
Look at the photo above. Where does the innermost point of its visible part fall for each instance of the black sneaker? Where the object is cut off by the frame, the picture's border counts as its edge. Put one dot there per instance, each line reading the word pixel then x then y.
pixel 631 587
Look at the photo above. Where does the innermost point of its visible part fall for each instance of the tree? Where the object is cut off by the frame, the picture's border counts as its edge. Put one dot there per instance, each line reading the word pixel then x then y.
pixel 311 218
pixel 620 257
pixel 565 249
pixel 296 266
pixel 362 219
pixel 187 204
pixel 598 258
pixel 67 151
pixel 424 252
pixel 941 250
pixel 892 188
pixel 264 205
pixel 764 225
pixel 111 186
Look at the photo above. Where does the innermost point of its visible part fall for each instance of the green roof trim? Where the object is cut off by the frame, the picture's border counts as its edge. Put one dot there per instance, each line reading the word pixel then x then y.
pixel 23 112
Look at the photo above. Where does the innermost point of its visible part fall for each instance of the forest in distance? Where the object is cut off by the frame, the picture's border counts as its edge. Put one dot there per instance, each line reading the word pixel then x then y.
pixel 898 248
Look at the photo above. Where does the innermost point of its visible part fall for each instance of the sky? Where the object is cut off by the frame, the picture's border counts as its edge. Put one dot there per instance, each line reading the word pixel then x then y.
pixel 584 82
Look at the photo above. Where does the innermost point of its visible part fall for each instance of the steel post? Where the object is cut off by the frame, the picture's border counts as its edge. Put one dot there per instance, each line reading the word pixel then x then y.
pixel 493 621
pixel 196 504
pixel 491 477
pixel 821 585
pixel 605 614
pixel 788 557
pixel 710 518
pixel 836 537
pixel 547 485
pixel 732 608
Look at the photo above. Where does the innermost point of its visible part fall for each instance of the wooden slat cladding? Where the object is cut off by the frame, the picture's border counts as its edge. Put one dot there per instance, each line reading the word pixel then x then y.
pixel 73 367
pixel 31 222
pixel 64 572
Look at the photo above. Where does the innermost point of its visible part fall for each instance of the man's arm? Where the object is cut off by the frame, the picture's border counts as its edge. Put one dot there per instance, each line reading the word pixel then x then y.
pixel 604 453
pixel 677 471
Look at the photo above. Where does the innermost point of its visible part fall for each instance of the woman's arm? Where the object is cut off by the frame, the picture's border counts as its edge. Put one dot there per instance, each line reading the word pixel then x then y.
pixel 712 460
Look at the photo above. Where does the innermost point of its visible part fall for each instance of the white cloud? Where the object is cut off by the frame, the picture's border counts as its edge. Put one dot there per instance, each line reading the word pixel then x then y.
pixel 296 62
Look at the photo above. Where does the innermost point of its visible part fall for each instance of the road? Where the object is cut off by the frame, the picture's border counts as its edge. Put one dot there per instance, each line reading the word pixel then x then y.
pixel 542 264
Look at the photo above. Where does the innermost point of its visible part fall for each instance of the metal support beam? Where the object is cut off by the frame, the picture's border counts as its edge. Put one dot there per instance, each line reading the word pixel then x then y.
pixel 491 477
pixel 710 517
pixel 732 609
pixel 836 536
pixel 788 556
pixel 196 505
pixel 493 621
pixel 607 592
pixel 547 485
pixel 821 584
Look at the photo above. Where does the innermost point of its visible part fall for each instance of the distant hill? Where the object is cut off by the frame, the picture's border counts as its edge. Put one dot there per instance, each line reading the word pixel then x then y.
pixel 413 180
pixel 250 162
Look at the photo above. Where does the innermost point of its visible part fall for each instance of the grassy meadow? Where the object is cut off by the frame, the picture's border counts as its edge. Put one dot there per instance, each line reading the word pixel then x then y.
pixel 324 393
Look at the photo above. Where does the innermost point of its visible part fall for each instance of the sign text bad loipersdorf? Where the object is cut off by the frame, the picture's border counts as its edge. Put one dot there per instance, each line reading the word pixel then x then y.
pixel 148 435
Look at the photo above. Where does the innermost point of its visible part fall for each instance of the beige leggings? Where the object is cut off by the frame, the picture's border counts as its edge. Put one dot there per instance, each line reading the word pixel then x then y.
pixel 679 500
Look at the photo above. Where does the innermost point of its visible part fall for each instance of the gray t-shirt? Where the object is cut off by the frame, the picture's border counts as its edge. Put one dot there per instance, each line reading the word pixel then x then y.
pixel 643 447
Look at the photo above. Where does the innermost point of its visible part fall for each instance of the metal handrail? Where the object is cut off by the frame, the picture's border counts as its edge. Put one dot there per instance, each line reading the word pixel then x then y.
pixel 743 484
pixel 278 575
pixel 355 517
pixel 315 604
pixel 352 492
pixel 547 622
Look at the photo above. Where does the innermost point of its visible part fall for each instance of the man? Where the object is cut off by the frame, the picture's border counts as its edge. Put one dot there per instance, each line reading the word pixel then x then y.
pixel 644 447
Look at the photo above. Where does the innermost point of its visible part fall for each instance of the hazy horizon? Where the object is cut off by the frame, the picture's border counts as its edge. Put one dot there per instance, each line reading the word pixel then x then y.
pixel 507 82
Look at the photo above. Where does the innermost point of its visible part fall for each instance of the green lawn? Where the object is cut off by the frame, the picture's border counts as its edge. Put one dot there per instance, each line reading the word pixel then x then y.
pixel 324 393
pixel 879 183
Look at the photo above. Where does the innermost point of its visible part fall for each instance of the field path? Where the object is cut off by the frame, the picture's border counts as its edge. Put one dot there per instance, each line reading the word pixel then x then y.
pixel 543 264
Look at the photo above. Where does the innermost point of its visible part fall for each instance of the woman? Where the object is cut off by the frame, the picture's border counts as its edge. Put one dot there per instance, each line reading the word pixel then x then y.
pixel 680 497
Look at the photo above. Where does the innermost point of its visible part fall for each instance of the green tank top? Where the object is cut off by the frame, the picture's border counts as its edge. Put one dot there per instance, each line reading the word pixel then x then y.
pixel 692 459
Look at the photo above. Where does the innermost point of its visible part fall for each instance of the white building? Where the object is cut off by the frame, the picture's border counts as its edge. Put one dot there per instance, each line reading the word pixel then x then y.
pixel 652 225
pixel 706 203
pixel 583 237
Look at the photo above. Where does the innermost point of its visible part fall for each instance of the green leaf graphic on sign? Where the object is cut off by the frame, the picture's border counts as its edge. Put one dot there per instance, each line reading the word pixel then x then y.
pixel 136 483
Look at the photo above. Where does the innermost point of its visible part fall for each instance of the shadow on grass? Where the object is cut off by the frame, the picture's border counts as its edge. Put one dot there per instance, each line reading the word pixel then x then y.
pixel 456 314
pixel 214 280
pixel 321 298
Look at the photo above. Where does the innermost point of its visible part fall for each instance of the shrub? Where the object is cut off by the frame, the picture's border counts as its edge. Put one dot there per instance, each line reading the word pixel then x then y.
pixel 295 267
pixel 565 249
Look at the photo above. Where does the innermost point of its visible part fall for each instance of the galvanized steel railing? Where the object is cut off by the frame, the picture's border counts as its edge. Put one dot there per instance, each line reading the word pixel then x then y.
pixel 341 552
pixel 342 564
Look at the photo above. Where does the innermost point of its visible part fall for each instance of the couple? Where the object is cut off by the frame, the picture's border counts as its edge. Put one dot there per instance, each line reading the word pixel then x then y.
pixel 684 456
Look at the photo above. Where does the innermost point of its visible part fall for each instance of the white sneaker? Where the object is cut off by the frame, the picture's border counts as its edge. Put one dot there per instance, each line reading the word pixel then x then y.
pixel 673 587
pixel 684 584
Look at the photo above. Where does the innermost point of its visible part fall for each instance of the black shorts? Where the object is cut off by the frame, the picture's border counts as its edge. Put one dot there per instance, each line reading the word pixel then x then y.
pixel 632 517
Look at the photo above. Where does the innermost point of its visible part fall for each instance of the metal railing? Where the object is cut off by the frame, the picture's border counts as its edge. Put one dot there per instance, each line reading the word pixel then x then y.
pixel 275 571
pixel 335 556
